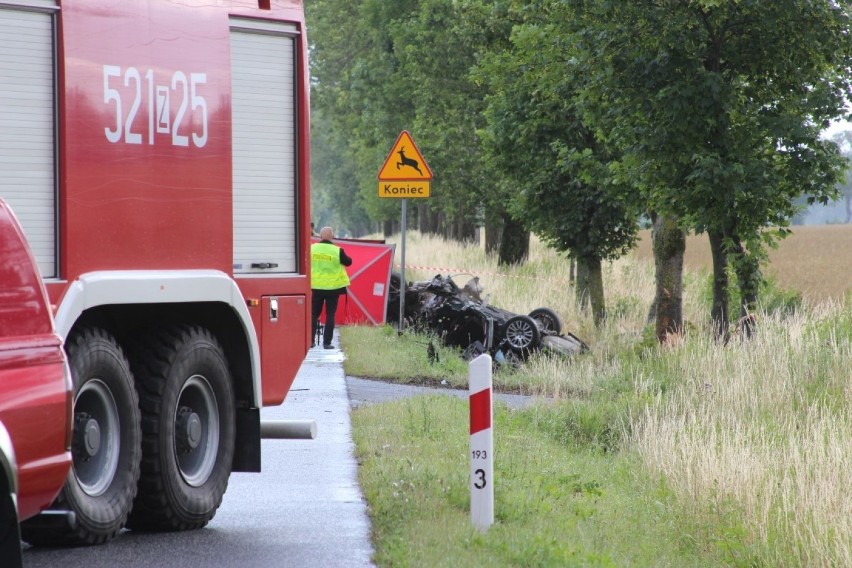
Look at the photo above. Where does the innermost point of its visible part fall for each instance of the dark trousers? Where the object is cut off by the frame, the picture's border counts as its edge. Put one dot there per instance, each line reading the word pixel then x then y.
pixel 329 298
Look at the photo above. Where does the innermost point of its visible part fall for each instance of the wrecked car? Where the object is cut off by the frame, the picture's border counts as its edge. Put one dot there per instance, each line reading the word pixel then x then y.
pixel 461 318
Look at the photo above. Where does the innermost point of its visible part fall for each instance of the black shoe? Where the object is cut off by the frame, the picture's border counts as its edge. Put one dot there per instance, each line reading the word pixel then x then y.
pixel 313 345
pixel 329 346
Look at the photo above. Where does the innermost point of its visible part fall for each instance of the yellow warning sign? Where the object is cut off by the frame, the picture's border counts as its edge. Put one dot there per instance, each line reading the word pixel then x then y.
pixel 405 163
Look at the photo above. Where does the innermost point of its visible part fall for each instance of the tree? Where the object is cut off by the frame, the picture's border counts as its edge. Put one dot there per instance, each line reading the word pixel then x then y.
pixel 359 88
pixel 538 140
pixel 332 182
pixel 844 142
pixel 405 66
pixel 717 107
pixel 436 50
pixel 669 245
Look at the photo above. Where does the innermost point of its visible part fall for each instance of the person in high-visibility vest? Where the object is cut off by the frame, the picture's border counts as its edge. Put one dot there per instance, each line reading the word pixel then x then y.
pixel 328 281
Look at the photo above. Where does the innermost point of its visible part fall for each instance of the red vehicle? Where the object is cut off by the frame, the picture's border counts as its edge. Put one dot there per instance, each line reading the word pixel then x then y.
pixel 35 392
pixel 156 154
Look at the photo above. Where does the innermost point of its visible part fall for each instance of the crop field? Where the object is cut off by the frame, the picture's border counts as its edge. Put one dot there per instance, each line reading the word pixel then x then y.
pixel 815 260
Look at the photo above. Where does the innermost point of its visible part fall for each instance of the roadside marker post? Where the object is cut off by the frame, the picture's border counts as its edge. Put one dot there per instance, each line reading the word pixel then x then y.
pixel 481 443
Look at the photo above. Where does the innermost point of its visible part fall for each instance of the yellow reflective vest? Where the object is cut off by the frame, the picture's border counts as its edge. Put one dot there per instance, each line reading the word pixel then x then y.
pixel 326 271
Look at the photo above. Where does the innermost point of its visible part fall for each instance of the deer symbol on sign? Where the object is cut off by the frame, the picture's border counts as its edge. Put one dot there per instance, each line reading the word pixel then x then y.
pixel 407 161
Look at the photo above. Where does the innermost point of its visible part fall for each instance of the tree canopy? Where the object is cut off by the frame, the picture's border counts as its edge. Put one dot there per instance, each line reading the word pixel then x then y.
pixel 718 107
pixel 570 119
pixel 539 141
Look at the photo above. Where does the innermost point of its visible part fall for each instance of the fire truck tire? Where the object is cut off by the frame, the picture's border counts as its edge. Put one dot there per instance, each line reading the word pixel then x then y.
pixel 188 428
pixel 106 445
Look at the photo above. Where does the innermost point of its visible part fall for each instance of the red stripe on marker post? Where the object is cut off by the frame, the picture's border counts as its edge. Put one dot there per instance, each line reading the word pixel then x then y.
pixel 480 411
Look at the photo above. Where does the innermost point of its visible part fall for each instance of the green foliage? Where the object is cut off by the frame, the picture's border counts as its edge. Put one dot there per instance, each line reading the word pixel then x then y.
pixel 648 342
pixel 539 141
pixel 332 183
pixel 833 331
pixel 576 117
pixel 777 300
pixel 379 68
pixel 358 90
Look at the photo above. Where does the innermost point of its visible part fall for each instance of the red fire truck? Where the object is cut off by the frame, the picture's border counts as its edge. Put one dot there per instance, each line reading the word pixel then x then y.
pixel 156 155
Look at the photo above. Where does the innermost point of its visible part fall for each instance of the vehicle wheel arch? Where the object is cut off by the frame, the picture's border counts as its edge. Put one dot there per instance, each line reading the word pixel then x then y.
pixel 123 302
pixel 126 321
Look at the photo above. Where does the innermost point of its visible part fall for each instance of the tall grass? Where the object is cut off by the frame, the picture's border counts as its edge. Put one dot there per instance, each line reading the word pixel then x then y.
pixel 758 431
pixel 764 424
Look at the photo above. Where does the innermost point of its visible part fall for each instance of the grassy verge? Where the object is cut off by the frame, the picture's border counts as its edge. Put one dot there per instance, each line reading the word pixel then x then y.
pixel 696 452
pixel 566 494
pixel 556 504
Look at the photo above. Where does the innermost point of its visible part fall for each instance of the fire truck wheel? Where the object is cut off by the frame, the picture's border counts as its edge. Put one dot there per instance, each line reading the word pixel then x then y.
pixel 106 445
pixel 188 427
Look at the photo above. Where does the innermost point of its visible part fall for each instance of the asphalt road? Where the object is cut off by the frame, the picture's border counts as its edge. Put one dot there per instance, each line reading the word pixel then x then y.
pixel 304 510
pixel 365 391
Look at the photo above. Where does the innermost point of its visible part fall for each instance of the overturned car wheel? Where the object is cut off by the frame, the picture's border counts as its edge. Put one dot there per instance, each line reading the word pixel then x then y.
pixel 547 320
pixel 522 333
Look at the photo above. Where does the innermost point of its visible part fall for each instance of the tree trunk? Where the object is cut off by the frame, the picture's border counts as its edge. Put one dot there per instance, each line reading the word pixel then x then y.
pixel 590 288
pixel 387 228
pixel 515 242
pixel 493 235
pixel 849 208
pixel 669 243
pixel 428 220
pixel 719 309
pixel 749 277
pixel 581 291
pixel 421 211
pixel 462 230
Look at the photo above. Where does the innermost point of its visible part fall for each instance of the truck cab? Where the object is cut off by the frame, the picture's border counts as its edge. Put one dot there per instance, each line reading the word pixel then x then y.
pixel 35 391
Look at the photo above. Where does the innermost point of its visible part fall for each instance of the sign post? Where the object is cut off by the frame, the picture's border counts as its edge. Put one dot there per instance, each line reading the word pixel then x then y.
pixel 401 178
pixel 402 228
pixel 481 443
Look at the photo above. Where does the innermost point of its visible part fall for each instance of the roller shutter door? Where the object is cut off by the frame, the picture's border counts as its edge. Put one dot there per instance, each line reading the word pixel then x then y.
pixel 27 127
pixel 264 147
